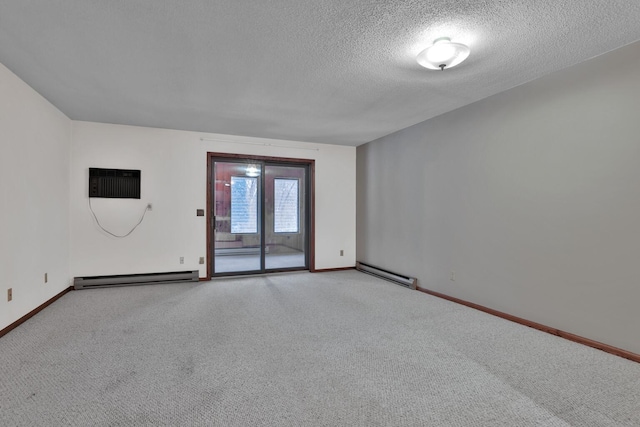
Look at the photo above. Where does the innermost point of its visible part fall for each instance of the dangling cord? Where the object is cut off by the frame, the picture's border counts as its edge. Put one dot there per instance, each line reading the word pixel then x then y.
pixel 115 235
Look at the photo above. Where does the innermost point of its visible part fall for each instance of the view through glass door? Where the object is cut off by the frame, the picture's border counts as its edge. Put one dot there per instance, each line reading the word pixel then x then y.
pixel 261 217
pixel 285 214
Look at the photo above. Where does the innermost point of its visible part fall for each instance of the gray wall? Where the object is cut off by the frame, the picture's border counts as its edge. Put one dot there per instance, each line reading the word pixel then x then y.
pixel 531 196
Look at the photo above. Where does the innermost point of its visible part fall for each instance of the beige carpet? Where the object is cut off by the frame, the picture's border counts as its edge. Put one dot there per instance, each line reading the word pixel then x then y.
pixel 330 349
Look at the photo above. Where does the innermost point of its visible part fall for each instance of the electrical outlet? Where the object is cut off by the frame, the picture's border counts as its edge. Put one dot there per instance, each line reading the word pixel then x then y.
pixel 452 276
pixel 181 260
pixel 46 277
pixel 149 207
pixel 201 260
pixel 341 252
pixel 9 294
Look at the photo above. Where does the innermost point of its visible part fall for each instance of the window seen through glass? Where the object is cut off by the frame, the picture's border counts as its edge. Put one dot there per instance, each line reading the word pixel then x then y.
pixel 244 205
pixel 286 212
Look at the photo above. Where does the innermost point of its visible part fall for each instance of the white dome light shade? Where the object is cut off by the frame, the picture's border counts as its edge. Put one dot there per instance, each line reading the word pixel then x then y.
pixel 252 171
pixel 443 54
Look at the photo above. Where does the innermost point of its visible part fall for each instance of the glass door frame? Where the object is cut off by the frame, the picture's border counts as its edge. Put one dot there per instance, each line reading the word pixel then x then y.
pixel 264 161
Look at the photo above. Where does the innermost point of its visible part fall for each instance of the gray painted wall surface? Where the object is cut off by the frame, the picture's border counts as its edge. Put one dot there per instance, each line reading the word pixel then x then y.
pixel 531 196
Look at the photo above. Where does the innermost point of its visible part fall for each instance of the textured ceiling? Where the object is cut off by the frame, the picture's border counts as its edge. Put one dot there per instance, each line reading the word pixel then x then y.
pixel 329 71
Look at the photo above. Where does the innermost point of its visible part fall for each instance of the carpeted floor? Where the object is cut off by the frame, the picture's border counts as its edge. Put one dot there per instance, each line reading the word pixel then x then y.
pixel 330 349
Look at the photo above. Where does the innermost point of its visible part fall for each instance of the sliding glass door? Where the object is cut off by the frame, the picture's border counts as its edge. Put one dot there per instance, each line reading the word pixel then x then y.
pixel 237 220
pixel 260 216
pixel 285 213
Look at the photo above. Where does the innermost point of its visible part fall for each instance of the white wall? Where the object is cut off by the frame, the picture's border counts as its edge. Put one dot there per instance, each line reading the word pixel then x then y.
pixel 174 178
pixel 35 141
pixel 531 196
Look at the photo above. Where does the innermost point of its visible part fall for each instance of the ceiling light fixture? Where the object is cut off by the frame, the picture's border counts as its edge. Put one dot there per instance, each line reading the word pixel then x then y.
pixel 252 171
pixel 443 54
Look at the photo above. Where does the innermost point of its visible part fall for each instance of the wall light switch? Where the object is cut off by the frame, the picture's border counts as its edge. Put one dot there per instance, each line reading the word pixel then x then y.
pixel 181 260
pixel 9 294
pixel 46 277
pixel 199 212
pixel 201 260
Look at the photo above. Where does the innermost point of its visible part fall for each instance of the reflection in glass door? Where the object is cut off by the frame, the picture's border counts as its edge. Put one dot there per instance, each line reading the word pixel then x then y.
pixel 261 217
pixel 237 224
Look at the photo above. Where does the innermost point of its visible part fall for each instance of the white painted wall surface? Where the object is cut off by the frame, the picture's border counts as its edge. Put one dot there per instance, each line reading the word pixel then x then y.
pixel 531 196
pixel 35 140
pixel 174 178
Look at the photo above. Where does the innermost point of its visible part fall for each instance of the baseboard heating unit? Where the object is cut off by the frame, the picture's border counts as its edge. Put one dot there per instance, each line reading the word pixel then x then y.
pixel 408 282
pixel 135 279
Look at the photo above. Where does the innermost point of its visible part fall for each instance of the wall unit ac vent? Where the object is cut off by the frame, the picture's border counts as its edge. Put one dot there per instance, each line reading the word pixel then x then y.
pixel 408 282
pixel 114 183
pixel 135 279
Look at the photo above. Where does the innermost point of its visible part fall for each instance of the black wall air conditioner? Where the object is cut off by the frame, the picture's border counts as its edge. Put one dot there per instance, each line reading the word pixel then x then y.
pixel 114 183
